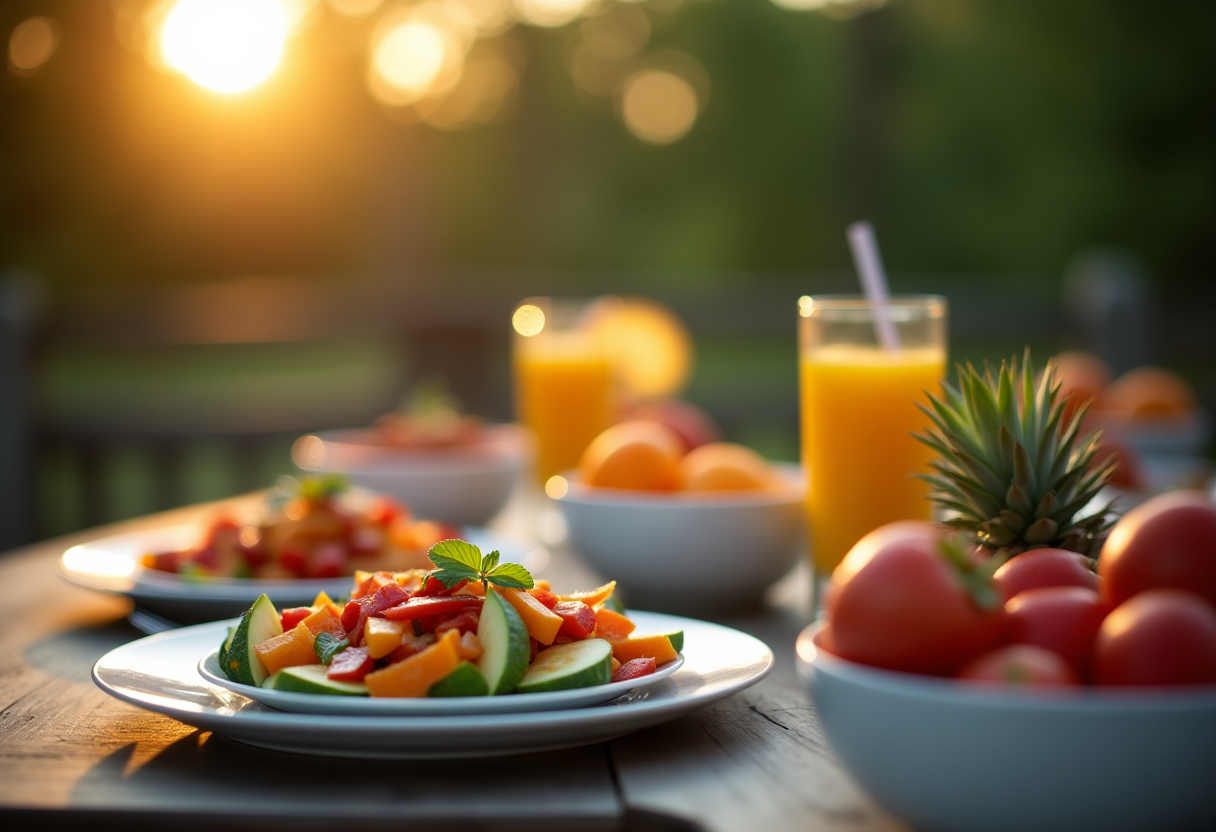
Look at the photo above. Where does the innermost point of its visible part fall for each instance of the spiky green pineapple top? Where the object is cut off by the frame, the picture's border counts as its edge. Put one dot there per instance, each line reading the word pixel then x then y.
pixel 1010 470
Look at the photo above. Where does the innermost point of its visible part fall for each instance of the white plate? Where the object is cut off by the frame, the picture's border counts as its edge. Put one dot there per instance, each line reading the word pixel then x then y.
pixel 309 703
pixel 160 673
pixel 111 564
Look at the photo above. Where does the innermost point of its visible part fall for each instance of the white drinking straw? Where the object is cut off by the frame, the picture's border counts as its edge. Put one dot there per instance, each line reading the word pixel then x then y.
pixel 873 281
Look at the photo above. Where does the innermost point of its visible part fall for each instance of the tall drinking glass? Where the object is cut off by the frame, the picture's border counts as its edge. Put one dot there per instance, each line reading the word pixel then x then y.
pixel 563 383
pixel 858 411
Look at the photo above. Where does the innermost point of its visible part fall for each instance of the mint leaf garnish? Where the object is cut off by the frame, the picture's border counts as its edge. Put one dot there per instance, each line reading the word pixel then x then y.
pixel 458 560
pixel 327 644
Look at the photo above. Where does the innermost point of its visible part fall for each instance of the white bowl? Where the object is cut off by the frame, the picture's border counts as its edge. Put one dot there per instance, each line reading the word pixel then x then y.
pixel 686 553
pixel 941 756
pixel 466 485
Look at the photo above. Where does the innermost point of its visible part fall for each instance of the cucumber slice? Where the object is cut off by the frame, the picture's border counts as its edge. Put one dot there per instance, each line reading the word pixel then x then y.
pixel 505 645
pixel 223 656
pixel 260 622
pixel 465 680
pixel 614 603
pixel 676 637
pixel 311 678
pixel 579 664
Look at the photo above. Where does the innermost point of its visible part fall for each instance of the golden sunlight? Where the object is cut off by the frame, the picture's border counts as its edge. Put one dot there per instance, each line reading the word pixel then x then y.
pixel 552 13
pixel 658 106
pixel 408 60
pixel 31 45
pixel 226 47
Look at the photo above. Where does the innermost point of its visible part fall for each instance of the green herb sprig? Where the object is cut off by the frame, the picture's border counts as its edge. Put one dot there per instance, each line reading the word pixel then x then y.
pixel 458 560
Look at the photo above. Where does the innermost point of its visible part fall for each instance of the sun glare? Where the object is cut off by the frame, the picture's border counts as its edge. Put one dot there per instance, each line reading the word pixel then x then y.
pixel 225 46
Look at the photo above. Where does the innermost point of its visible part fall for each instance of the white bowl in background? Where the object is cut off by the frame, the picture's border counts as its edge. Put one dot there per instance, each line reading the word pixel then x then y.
pixel 943 756
pixel 687 553
pixel 464 485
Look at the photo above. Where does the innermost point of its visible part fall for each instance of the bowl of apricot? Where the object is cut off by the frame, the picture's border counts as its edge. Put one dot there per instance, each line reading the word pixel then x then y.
pixel 698 532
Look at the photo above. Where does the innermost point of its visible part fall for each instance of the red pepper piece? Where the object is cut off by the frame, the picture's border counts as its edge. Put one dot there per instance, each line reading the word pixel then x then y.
pixel 420 605
pixel 544 596
pixel 465 622
pixel 351 665
pixel 578 619
pixel 633 669
pixel 292 616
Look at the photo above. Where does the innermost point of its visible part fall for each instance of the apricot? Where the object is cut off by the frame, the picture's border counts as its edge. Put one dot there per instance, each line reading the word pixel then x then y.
pixel 1083 377
pixel 635 454
pixel 1148 392
pixel 725 466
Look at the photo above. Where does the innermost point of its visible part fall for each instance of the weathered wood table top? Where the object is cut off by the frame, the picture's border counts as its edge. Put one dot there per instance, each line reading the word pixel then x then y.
pixel 70 753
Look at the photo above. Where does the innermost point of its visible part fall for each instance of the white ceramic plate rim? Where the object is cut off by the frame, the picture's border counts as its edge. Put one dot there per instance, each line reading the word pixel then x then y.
pixel 121 553
pixel 1085 699
pixel 507 447
pixel 159 673
pixel 306 703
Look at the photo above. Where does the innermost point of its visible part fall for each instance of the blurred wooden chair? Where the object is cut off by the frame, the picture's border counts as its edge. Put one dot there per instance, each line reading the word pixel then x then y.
pixel 127 402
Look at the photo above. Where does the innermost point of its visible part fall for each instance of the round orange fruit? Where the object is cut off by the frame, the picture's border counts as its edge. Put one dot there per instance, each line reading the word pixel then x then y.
pixel 1083 377
pixel 1148 392
pixel 725 466
pixel 635 454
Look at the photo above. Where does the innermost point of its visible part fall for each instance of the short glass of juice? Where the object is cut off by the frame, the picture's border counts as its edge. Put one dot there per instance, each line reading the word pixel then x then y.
pixel 859 414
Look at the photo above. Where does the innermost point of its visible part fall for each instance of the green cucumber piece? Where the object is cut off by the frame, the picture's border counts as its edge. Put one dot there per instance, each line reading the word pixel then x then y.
pixel 504 643
pixel 465 680
pixel 676 637
pixel 260 622
pixel 579 664
pixel 311 678
pixel 224 648
pixel 614 603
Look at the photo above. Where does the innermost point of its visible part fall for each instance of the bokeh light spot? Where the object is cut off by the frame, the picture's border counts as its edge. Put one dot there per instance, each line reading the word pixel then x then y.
pixel 31 45
pixel 552 13
pixel 224 46
pixel 528 320
pixel 658 106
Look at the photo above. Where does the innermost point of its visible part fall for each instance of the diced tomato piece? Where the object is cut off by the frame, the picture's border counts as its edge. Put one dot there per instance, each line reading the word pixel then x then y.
pixel 292 616
pixel 434 586
pixel 352 616
pixel 420 605
pixel 384 511
pixel 293 561
pixel 328 561
pixel 578 619
pixel 465 622
pixel 409 646
pixel 389 595
pixel 544 596
pixel 632 669
pixel 350 665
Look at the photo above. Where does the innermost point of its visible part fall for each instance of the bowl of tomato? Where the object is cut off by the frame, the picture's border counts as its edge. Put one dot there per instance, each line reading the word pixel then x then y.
pixel 944 755
pixel 1044 690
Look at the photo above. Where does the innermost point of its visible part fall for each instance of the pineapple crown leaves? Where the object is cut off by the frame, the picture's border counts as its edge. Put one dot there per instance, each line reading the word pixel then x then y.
pixel 1010 468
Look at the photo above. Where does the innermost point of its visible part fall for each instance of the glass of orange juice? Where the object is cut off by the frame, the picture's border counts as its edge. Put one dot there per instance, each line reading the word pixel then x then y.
pixel 859 395
pixel 563 382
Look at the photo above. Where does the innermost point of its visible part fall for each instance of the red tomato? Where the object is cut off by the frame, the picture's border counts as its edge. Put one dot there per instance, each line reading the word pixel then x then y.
pixel 1167 541
pixel 633 669
pixel 1044 567
pixel 1020 666
pixel 1063 619
pixel 1157 637
pixel 897 601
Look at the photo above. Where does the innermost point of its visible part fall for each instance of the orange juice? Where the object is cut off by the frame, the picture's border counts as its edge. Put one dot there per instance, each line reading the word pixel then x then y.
pixel 858 414
pixel 563 392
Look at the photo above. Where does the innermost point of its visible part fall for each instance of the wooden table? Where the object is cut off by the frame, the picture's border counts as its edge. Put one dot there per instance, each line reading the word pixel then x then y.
pixel 71 753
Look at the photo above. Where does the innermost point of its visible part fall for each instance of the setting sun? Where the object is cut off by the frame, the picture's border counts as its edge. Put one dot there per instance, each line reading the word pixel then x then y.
pixel 223 46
